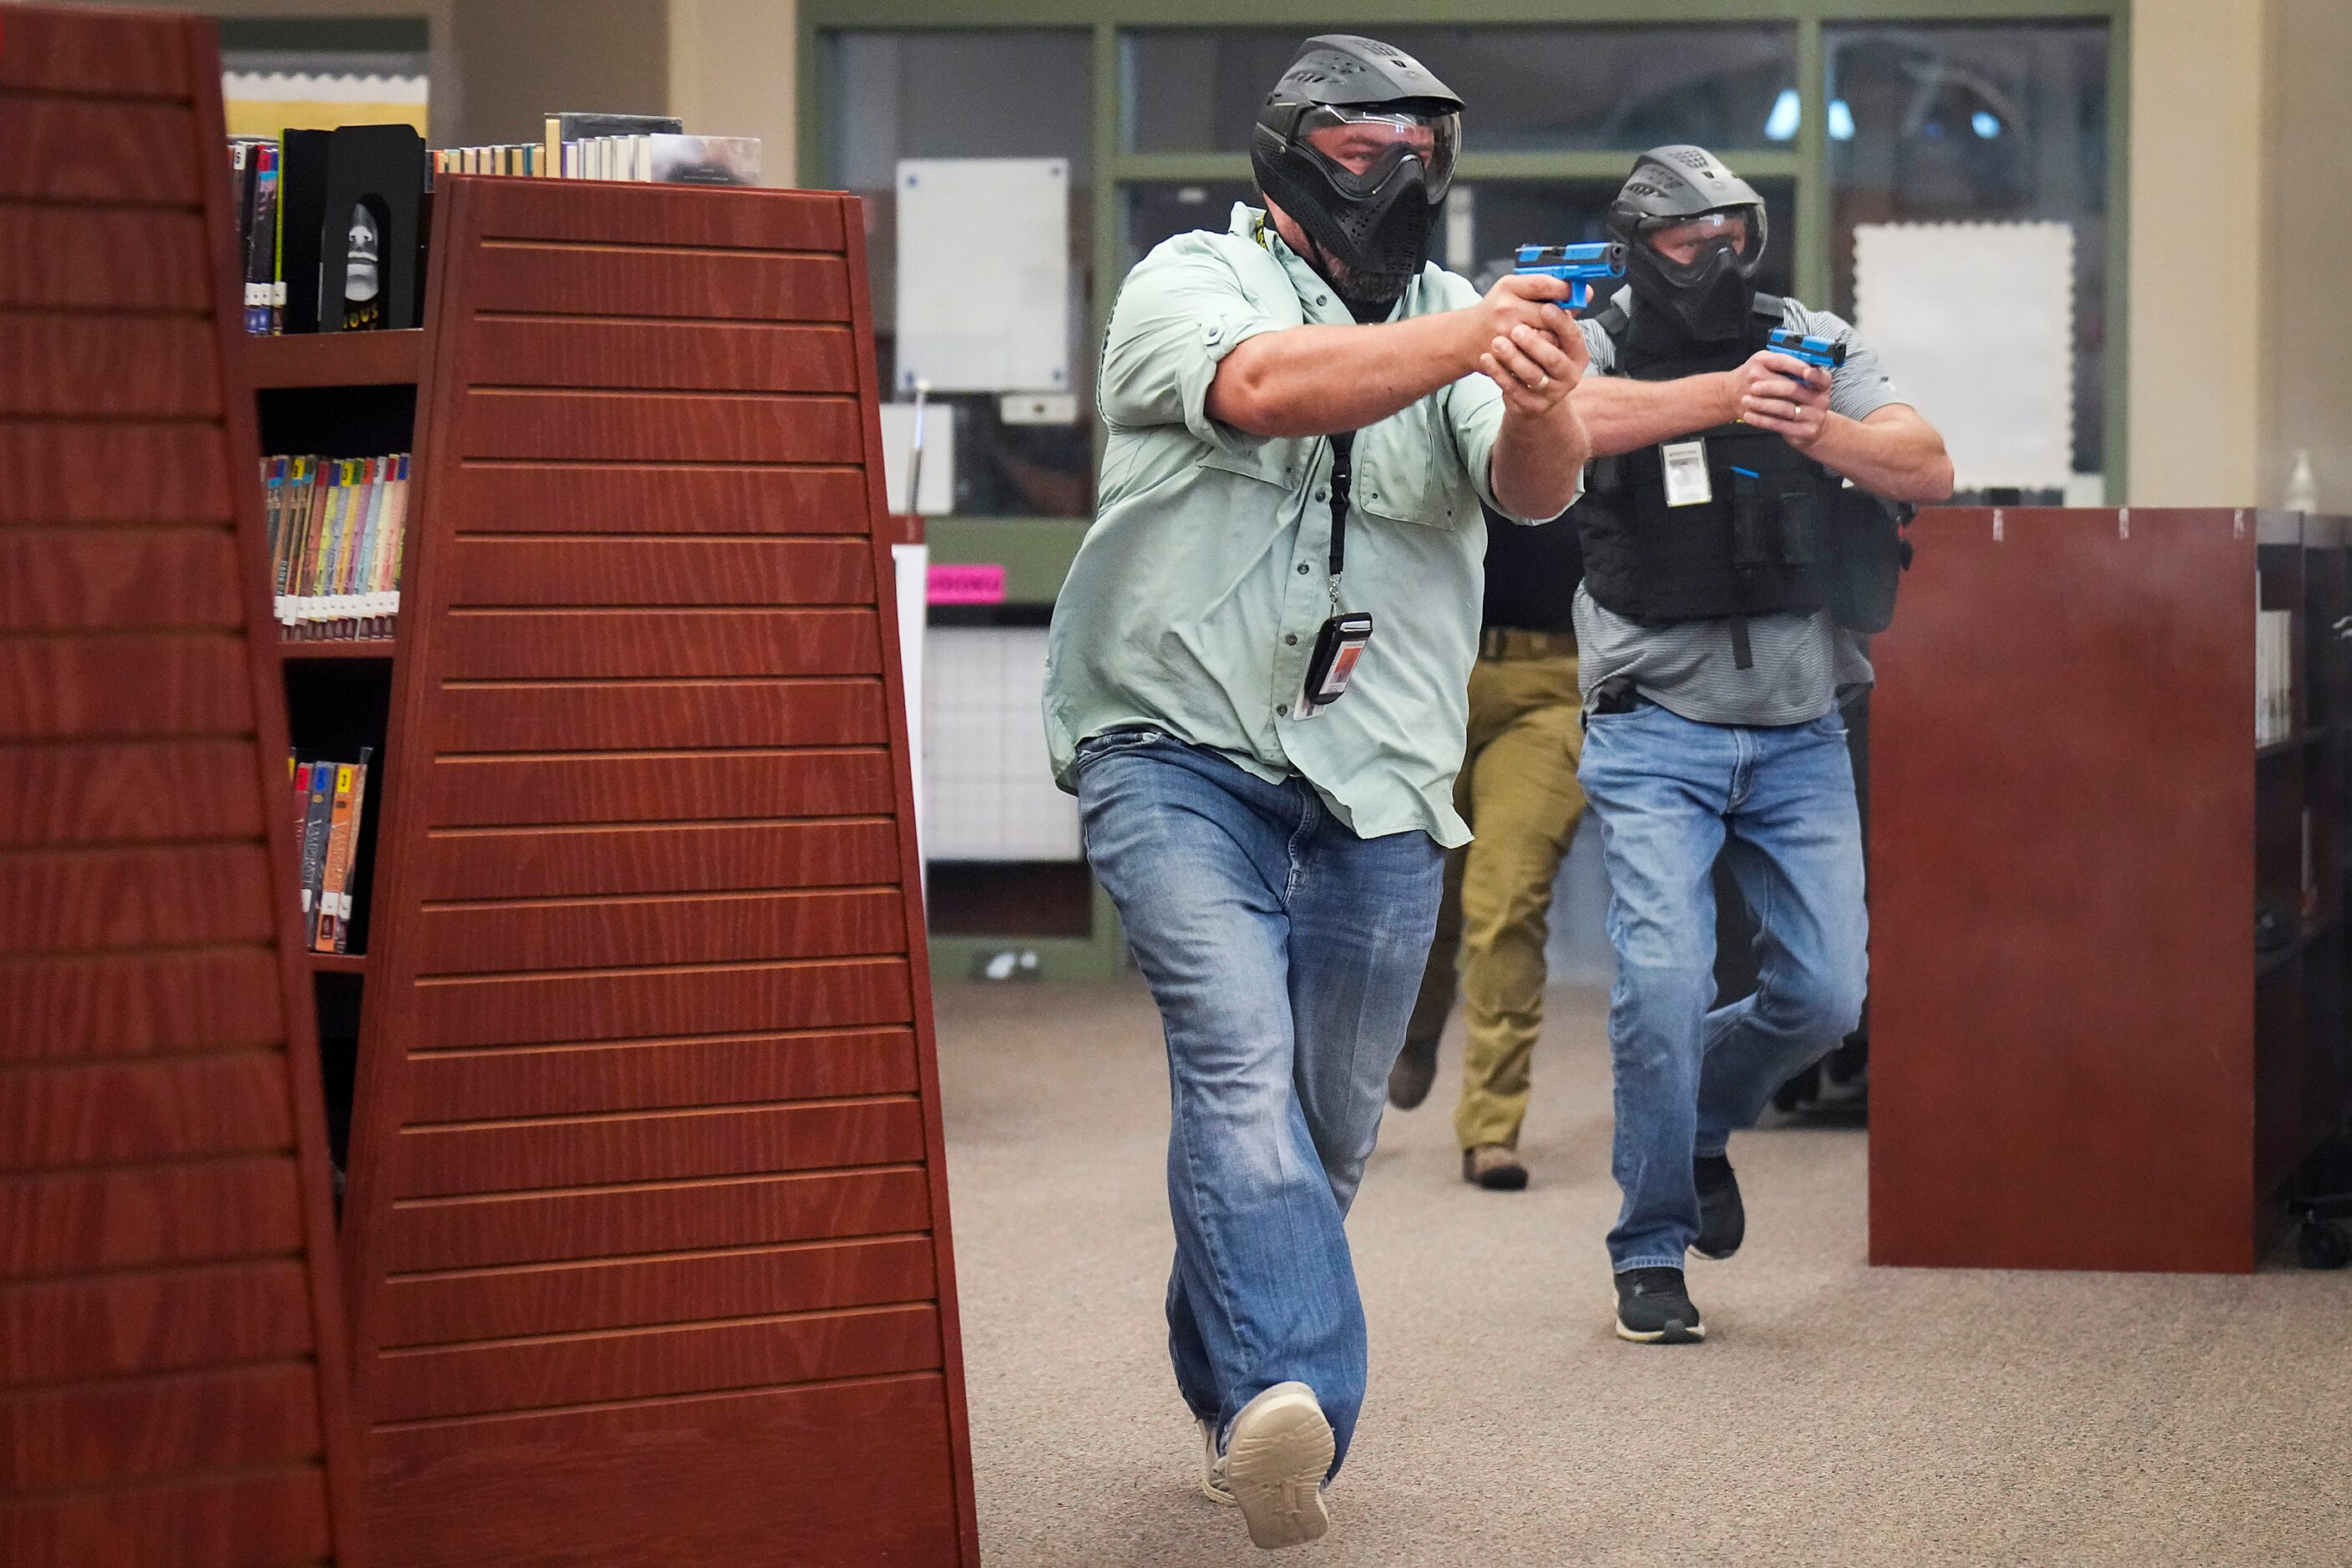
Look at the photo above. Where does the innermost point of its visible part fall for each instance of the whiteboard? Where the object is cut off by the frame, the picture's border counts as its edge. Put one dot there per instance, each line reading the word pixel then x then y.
pixel 984 274
pixel 1976 324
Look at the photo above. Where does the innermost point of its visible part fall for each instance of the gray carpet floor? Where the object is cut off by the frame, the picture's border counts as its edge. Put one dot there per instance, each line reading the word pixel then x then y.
pixel 1838 1414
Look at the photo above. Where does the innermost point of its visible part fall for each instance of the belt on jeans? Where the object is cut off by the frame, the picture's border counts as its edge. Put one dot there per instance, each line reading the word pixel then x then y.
pixel 1512 642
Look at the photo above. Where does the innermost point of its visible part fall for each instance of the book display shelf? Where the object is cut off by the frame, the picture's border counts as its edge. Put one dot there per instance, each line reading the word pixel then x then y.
pixel 172 1378
pixel 645 1229
pixel 642 1252
pixel 2109 946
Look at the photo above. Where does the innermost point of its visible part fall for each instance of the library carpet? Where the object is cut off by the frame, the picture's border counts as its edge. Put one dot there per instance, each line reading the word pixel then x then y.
pixel 1839 1414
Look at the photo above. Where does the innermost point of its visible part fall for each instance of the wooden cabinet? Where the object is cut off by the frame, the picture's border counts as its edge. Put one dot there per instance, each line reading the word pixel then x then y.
pixel 2108 946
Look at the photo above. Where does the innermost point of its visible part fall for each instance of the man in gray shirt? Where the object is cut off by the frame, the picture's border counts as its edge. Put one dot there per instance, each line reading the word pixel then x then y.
pixel 1719 622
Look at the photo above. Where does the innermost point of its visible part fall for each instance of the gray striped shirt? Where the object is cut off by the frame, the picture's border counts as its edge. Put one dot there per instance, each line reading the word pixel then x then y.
pixel 1801 663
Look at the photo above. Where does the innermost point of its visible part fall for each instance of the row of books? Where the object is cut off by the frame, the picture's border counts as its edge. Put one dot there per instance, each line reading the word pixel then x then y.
pixel 660 158
pixel 2273 676
pixel 329 799
pixel 336 527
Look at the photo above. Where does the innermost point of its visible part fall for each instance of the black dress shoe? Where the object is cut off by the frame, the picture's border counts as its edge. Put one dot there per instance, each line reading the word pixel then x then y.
pixel 1415 1070
pixel 1493 1166
pixel 1722 1218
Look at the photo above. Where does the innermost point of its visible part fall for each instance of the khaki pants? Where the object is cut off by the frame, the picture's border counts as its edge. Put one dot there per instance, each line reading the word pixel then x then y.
pixel 1518 790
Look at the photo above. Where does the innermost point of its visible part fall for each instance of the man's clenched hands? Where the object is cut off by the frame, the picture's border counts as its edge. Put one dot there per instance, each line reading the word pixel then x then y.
pixel 1529 346
pixel 1774 392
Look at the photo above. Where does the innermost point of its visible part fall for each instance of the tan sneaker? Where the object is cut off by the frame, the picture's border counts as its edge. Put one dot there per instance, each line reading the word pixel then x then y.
pixel 1275 1462
pixel 1212 1467
pixel 1493 1166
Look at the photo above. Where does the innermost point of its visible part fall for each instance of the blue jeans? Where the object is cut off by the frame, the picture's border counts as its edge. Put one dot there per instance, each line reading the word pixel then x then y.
pixel 1285 953
pixel 1779 804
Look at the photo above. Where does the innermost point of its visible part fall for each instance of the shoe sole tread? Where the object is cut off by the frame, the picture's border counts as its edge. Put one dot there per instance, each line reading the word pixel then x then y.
pixel 1277 1459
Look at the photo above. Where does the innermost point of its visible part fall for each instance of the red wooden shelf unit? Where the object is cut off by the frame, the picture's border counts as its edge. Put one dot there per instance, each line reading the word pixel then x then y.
pixel 2108 948
pixel 171 1337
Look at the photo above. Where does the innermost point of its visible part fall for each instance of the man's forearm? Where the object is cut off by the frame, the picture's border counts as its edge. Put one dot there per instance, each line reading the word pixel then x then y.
pixel 1321 380
pixel 1901 459
pixel 1533 466
pixel 1622 415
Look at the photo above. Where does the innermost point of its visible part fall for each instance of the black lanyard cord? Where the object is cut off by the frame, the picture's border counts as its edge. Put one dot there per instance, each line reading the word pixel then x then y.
pixel 1343 447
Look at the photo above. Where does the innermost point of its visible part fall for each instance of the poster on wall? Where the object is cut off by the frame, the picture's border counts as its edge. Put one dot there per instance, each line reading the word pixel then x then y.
pixel 984 274
pixel 1975 323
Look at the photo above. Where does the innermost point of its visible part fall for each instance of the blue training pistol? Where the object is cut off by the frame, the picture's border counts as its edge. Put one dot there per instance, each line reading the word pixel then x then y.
pixel 1577 266
pixel 1828 354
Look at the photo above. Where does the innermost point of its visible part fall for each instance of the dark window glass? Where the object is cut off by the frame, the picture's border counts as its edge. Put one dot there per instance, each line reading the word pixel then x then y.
pixel 999 94
pixel 1980 124
pixel 1157 211
pixel 1525 88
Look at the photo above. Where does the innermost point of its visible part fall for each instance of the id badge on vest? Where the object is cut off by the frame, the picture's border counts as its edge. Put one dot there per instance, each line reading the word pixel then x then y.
pixel 1685 472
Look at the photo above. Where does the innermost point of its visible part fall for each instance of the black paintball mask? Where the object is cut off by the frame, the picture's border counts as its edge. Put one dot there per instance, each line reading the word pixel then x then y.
pixel 1357 142
pixel 1693 234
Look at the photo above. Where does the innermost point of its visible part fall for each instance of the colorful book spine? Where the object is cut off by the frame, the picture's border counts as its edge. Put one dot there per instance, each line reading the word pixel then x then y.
pixel 302 820
pixel 336 867
pixel 316 815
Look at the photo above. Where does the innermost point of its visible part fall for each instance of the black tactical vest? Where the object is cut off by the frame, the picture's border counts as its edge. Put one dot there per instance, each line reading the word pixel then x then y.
pixel 1779 534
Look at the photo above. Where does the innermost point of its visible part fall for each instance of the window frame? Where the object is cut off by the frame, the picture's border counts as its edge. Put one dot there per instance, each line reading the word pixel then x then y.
pixel 1805 161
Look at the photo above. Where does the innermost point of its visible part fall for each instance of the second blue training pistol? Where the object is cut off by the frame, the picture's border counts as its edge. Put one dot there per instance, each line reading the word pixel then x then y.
pixel 1577 266
pixel 1826 354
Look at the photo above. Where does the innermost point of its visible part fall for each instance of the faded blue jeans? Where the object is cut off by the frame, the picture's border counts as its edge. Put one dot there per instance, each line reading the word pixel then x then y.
pixel 1285 953
pixel 1778 803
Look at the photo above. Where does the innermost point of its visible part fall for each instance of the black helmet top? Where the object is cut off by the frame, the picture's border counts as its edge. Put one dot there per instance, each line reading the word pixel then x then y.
pixel 1357 143
pixel 1671 183
pixel 1711 293
pixel 1342 68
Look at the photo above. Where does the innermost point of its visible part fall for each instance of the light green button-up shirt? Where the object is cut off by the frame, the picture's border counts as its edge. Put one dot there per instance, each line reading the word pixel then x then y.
pixel 1194 601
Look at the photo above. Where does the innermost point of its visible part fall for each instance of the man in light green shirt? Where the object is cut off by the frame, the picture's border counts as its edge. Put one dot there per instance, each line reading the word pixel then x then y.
pixel 1276 860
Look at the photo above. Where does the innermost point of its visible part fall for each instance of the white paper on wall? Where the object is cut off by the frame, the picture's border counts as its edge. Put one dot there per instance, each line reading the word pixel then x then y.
pixel 911 570
pixel 984 274
pixel 990 789
pixel 1976 324
pixel 939 456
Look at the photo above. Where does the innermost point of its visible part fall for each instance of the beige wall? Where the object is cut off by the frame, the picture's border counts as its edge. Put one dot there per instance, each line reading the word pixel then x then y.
pixel 731 74
pixel 2241 316
pixel 726 66
pixel 520 60
pixel 2308 283
pixel 2195 393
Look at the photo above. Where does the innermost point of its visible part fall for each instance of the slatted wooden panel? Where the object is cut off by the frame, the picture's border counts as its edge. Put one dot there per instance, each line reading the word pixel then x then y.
pixel 647 1227
pixel 172 1383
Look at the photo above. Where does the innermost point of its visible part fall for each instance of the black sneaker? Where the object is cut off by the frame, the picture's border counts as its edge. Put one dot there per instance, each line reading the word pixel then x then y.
pixel 1722 1218
pixel 1653 1309
pixel 1415 1070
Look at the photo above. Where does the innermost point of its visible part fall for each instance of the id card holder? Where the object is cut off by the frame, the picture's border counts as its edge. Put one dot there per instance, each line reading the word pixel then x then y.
pixel 1685 471
pixel 1337 646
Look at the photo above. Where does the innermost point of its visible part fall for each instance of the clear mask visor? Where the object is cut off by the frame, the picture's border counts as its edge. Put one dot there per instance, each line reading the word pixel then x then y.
pixel 1686 247
pixel 1362 147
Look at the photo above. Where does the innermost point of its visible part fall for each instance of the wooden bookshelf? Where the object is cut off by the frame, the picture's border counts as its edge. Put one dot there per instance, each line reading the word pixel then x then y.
pixel 354 648
pixel 2082 1056
pixel 336 358
pixel 646 1233
pixel 336 962
pixel 175 1343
